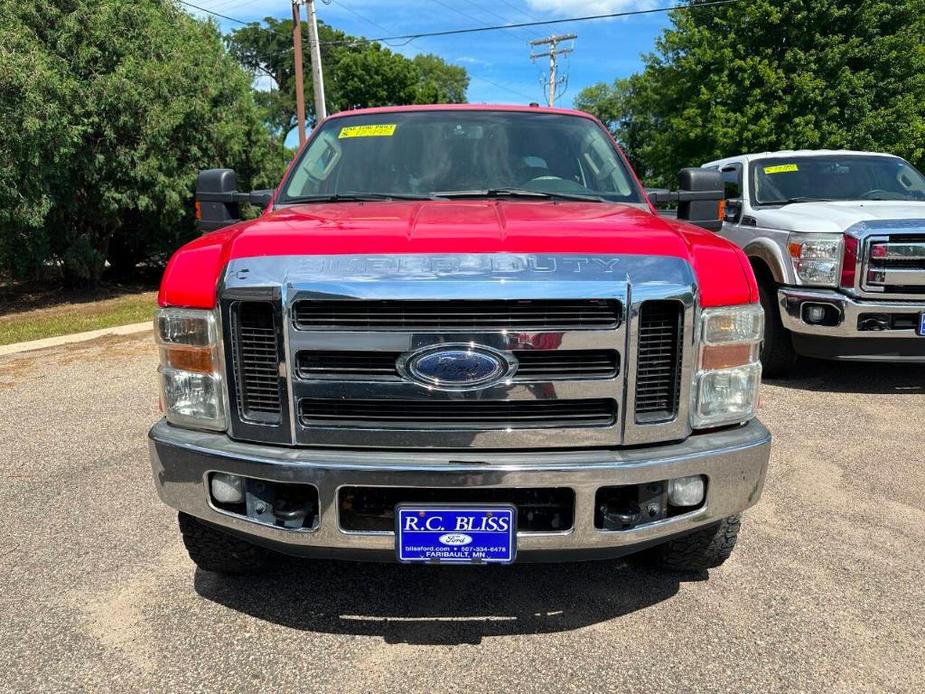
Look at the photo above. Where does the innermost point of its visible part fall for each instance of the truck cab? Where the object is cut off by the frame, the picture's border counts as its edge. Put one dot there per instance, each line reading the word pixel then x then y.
pixel 459 334
pixel 837 242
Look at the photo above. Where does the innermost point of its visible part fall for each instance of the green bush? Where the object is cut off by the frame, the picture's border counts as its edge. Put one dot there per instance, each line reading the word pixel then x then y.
pixel 108 108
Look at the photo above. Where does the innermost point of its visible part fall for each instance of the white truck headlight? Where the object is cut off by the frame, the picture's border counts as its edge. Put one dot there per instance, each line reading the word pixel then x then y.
pixel 190 369
pixel 816 258
pixel 728 371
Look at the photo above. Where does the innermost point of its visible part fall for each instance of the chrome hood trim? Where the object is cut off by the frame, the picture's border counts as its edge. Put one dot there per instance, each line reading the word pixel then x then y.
pixel 499 269
pixel 629 279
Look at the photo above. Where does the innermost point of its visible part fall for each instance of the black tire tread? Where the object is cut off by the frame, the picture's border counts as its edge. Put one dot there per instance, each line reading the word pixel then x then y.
pixel 777 353
pixel 218 552
pixel 703 549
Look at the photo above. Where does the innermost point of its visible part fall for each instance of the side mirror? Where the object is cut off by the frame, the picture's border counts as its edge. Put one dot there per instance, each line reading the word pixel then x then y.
pixel 733 211
pixel 215 203
pixel 659 196
pixel 218 201
pixel 699 196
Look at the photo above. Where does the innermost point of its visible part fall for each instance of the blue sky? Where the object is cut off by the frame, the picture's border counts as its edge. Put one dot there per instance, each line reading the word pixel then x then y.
pixel 498 62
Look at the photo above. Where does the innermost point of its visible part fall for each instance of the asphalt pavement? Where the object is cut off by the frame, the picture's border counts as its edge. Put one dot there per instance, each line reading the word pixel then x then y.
pixel 825 591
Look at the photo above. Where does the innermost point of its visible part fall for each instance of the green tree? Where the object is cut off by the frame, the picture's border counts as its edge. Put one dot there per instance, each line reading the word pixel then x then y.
pixel 440 82
pixel 773 74
pixel 357 73
pixel 107 111
pixel 373 76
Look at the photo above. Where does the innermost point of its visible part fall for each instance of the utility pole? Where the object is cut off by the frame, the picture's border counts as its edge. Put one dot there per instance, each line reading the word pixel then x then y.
pixel 553 53
pixel 297 54
pixel 317 73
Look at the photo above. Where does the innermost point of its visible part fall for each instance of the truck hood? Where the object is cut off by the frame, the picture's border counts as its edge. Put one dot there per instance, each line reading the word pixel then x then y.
pixel 471 226
pixel 836 216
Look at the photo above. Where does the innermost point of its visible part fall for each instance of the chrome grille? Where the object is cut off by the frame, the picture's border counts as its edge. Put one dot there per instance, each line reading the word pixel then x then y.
pixel 568 364
pixel 256 358
pixel 474 414
pixel 347 365
pixel 896 264
pixel 455 316
pixel 533 364
pixel 659 361
pixel 342 322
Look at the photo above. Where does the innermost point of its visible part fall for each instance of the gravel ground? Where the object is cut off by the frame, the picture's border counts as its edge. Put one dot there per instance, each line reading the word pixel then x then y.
pixel 824 592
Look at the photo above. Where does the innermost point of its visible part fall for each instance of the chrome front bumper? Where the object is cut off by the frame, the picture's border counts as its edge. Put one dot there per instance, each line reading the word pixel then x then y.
pixel 845 340
pixel 734 461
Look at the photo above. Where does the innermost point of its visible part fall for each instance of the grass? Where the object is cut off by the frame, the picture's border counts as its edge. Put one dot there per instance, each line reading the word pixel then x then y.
pixel 68 318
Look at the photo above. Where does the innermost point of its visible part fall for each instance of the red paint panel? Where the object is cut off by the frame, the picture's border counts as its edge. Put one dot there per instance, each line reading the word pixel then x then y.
pixel 724 275
pixel 193 272
pixel 477 226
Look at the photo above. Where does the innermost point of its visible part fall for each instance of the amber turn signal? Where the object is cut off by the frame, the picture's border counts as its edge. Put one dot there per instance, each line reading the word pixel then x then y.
pixel 725 356
pixel 194 359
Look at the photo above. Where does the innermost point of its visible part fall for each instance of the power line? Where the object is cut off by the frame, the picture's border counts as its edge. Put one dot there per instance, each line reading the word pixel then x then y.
pixel 214 14
pixel 521 25
pixel 343 6
pixel 228 5
pixel 479 8
pixel 460 12
pixel 501 86
pixel 497 27
pixel 510 90
pixel 519 10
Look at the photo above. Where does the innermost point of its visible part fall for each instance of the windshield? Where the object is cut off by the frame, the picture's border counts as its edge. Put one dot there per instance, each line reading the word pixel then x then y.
pixel 780 181
pixel 462 154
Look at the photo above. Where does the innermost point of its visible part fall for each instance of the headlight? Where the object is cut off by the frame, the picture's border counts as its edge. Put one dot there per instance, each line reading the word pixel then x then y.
pixel 816 258
pixel 729 373
pixel 190 373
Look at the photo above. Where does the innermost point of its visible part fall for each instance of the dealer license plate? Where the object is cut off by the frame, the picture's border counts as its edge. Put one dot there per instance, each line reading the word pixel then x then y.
pixel 456 534
pixel 922 324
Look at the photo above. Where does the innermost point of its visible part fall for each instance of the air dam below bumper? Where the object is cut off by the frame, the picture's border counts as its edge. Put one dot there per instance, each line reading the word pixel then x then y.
pixel 845 340
pixel 733 460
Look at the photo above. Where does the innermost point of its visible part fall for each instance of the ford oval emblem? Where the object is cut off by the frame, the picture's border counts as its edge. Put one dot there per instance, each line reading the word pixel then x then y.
pixel 460 366
pixel 456 539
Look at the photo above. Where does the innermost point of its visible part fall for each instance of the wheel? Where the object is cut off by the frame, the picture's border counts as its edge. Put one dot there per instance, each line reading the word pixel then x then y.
pixel 777 353
pixel 213 550
pixel 703 549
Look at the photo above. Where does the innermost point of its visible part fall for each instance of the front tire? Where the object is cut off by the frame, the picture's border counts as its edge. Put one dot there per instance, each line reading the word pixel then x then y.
pixel 777 353
pixel 218 552
pixel 703 549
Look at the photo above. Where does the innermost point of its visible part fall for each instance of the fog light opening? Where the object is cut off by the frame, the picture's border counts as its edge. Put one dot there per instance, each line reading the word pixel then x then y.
pixel 815 314
pixel 227 489
pixel 686 491
pixel 821 314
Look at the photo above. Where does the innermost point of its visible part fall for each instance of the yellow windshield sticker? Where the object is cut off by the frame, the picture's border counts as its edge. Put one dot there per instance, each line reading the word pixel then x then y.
pixel 781 168
pixel 383 130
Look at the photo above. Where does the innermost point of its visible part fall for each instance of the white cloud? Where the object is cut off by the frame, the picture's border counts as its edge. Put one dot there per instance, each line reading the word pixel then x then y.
pixel 581 8
pixel 469 60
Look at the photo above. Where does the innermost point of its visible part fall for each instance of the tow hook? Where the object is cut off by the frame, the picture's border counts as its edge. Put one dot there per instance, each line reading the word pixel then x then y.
pixel 622 517
pixel 875 323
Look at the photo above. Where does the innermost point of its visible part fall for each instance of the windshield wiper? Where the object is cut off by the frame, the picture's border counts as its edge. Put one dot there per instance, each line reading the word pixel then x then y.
pixel 791 201
pixel 356 197
pixel 518 193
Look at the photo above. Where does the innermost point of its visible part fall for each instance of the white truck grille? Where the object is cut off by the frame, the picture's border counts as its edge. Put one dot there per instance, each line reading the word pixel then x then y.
pixel 896 264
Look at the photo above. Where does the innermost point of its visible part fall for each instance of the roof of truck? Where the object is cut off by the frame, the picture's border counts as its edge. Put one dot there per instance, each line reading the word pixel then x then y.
pixel 745 158
pixel 461 107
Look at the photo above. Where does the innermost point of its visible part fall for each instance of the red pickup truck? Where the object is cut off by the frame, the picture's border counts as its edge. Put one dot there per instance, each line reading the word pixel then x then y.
pixel 459 334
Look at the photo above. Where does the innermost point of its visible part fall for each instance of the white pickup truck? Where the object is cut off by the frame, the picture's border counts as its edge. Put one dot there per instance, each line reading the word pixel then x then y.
pixel 837 242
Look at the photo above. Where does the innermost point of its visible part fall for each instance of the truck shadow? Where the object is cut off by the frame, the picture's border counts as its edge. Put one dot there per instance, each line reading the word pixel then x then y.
pixel 442 605
pixel 854 377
